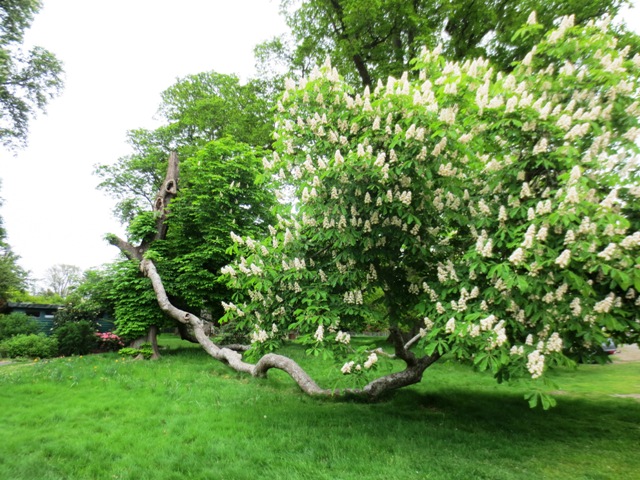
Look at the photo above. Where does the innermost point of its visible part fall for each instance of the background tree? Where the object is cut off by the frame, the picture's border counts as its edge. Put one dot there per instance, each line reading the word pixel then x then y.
pixel 369 41
pixel 210 106
pixel 220 193
pixel 28 80
pixel 61 279
pixel 13 278
pixel 197 109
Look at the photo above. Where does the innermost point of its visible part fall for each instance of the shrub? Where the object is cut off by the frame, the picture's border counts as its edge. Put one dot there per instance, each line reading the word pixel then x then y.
pixel 108 342
pixel 76 312
pixel 17 324
pixel 29 346
pixel 76 338
pixel 146 350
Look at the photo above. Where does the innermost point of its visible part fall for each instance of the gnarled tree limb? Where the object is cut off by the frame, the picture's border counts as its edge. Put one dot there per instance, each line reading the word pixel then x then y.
pixel 411 375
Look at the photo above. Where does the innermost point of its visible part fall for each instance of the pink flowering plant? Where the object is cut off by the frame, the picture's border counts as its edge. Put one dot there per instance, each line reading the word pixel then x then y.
pixel 493 216
pixel 108 342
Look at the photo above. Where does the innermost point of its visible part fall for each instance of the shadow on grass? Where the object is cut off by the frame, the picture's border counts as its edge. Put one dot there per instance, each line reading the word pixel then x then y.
pixel 186 351
pixel 505 413
pixel 485 407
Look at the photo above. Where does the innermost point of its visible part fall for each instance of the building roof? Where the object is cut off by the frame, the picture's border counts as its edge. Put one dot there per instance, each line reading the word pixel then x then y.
pixel 39 306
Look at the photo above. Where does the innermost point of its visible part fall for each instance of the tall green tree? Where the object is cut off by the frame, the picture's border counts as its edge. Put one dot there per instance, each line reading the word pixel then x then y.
pixel 209 106
pixel 220 193
pixel 368 41
pixel 28 79
pixel 196 110
pixel 219 128
pixel 13 278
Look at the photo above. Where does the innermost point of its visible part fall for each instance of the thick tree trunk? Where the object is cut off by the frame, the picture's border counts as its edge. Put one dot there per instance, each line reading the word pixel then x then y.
pixel 187 333
pixel 151 338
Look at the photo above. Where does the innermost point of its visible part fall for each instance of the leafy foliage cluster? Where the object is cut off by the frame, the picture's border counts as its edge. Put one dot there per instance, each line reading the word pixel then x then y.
pixel 75 325
pixel 29 346
pixel 76 337
pixel 132 300
pixel 219 193
pixel 145 350
pixel 74 333
pixel 17 323
pixel 74 312
pixel 197 109
pixel 28 80
pixel 19 337
pixel 369 41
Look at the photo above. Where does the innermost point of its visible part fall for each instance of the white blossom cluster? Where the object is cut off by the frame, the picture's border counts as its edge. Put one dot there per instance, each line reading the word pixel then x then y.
pixel 343 337
pixel 535 364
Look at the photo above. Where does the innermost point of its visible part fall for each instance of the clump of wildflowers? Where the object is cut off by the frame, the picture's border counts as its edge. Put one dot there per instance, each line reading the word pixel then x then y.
pixel 108 342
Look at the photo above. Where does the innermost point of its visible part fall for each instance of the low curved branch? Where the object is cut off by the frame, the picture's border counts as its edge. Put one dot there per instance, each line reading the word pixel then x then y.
pixel 411 375
pixel 295 371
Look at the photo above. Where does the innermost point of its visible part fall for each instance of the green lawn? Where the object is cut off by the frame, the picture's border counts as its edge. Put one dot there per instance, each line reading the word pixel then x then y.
pixel 187 416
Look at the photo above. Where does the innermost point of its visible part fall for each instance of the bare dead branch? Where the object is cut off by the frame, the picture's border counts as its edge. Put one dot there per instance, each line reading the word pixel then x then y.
pixel 132 252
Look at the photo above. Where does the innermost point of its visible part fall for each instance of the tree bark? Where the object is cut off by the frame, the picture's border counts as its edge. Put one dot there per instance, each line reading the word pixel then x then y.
pixel 167 192
pixel 151 338
pixel 186 332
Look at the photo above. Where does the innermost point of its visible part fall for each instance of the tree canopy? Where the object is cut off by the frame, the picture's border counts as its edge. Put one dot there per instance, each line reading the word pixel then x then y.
pixel 28 80
pixel 219 191
pixel 492 215
pixel 197 109
pixel 368 41
pixel 209 106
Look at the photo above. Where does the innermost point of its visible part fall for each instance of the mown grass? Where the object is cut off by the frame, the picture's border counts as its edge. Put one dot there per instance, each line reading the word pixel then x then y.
pixel 187 416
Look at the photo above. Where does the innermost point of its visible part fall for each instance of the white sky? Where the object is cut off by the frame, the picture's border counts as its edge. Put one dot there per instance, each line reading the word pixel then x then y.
pixel 118 56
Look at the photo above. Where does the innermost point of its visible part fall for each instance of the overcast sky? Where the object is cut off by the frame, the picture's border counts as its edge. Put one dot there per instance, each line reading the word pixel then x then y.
pixel 118 56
